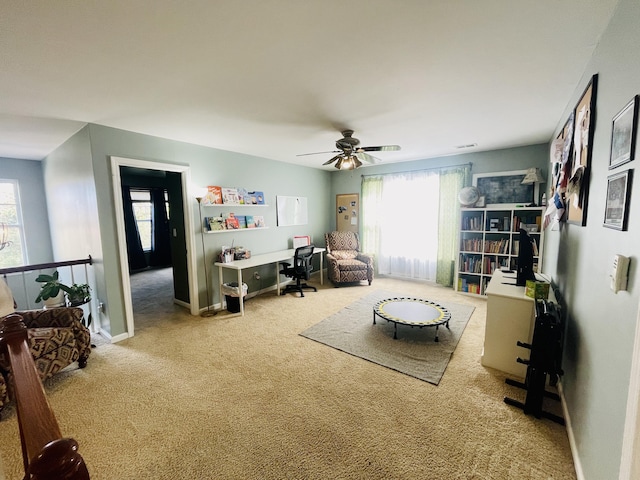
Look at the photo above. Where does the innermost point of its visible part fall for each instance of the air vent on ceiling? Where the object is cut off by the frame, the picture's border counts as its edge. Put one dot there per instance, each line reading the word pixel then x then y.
pixel 469 145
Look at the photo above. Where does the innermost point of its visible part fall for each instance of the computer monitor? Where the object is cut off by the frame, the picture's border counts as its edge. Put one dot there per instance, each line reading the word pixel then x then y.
pixel 525 259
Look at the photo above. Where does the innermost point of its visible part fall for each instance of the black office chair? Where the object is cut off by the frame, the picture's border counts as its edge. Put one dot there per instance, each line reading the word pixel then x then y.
pixel 300 270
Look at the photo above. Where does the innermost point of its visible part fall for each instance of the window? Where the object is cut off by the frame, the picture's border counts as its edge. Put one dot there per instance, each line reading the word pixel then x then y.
pixel 13 251
pixel 143 211
pixel 142 202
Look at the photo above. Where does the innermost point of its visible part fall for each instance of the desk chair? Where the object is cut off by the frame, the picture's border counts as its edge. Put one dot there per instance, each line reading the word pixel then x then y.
pixel 300 270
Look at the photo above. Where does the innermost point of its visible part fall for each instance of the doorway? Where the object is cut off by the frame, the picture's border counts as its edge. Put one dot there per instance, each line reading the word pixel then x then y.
pixel 175 247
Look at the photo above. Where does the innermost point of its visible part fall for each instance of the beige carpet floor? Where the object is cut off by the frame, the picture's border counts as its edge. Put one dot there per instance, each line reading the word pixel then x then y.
pixel 232 397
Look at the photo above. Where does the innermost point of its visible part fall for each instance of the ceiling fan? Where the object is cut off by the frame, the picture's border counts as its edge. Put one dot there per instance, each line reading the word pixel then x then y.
pixel 350 155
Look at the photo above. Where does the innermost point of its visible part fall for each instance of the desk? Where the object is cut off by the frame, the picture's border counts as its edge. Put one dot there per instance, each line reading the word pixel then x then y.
pixel 510 318
pixel 262 259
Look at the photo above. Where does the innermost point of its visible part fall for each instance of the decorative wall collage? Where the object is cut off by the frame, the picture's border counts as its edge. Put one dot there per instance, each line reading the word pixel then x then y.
pixel 571 155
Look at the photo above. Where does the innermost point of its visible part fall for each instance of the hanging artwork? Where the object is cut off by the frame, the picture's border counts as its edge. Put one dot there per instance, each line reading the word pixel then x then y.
pixel 578 182
pixel 623 134
pixel 561 155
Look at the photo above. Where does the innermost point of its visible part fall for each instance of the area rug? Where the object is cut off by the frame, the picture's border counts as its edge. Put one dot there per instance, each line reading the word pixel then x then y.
pixel 414 353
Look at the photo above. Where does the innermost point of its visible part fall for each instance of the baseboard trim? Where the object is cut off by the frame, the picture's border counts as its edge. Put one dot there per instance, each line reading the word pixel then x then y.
pixel 572 440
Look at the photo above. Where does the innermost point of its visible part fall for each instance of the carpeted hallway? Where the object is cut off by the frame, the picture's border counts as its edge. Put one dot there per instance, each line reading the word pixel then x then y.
pixel 231 397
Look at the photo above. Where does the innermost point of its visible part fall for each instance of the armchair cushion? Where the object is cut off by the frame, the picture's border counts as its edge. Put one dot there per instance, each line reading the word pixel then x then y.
pixel 344 254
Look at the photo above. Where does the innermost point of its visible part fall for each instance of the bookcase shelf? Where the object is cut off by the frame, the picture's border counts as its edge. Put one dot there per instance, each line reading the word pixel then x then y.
pixel 488 240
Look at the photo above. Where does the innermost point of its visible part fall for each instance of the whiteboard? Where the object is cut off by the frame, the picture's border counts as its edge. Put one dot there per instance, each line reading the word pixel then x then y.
pixel 291 210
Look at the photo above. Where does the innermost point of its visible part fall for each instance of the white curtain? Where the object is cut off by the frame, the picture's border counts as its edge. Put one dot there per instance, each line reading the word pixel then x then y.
pixel 404 215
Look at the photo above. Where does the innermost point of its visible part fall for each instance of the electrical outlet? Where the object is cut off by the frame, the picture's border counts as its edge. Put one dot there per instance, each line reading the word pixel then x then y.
pixel 256 275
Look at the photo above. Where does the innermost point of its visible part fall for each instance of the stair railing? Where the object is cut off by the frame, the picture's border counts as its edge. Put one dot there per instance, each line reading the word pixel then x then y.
pixel 46 454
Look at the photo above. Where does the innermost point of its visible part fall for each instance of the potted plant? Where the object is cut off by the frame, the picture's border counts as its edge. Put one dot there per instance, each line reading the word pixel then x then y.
pixel 52 290
pixel 78 294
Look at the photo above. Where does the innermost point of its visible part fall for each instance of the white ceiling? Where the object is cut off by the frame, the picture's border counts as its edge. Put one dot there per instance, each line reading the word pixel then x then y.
pixel 277 78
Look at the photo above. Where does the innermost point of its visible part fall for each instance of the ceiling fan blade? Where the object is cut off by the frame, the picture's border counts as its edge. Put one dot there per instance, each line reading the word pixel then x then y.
pixel 316 153
pixel 381 148
pixel 331 160
pixel 365 157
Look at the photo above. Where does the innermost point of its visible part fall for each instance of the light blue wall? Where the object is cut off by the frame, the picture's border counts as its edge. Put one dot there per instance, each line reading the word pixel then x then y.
pixel 601 324
pixel 207 167
pixel 28 173
pixel 520 158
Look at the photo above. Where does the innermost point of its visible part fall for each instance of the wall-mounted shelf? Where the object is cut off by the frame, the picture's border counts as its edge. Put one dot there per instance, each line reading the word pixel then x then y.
pixel 239 205
pixel 235 230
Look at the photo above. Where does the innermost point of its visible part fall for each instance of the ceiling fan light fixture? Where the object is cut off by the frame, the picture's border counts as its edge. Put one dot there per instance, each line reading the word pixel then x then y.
pixel 351 155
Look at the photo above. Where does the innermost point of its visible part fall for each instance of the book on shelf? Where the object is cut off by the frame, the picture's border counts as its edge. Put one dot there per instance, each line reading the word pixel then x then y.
pixel 256 198
pixel 213 196
pixel 473 223
pixel 243 196
pixel 242 221
pixel 259 221
pixel 232 222
pixel 467 286
pixel 472 245
pixel 230 196
pixel 215 224
pixel 249 220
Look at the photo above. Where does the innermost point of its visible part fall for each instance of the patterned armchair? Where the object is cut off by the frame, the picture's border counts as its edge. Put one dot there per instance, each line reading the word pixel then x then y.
pixel 56 339
pixel 345 263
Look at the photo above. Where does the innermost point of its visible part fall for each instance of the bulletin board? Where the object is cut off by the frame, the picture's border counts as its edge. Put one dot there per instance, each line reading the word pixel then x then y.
pixel 578 183
pixel 347 212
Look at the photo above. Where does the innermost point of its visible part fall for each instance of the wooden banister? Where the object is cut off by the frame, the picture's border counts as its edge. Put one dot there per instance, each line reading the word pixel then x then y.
pixel 46 455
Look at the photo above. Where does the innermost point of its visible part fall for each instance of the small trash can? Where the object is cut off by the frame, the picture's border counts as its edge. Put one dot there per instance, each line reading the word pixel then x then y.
pixel 231 293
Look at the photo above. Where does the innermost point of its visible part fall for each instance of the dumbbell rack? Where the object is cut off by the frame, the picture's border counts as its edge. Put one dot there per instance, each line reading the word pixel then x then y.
pixel 545 361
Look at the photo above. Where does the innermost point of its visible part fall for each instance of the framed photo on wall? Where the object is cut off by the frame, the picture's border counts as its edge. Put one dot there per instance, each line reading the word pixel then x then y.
pixel 577 195
pixel 623 134
pixel 618 195
pixel 505 189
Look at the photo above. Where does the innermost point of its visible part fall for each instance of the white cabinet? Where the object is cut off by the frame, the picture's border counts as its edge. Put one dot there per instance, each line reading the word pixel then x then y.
pixel 488 240
pixel 510 319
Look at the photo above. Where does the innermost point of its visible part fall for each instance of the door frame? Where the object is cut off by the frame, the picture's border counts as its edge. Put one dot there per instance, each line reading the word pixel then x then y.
pixel 630 458
pixel 185 180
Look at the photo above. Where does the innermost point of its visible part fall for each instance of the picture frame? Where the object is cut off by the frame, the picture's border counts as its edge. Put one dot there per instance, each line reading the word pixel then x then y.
pixel 618 195
pixel 505 189
pixel 577 195
pixel 623 134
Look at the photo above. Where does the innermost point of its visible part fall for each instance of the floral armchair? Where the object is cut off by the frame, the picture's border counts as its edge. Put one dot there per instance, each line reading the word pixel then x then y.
pixel 56 339
pixel 345 263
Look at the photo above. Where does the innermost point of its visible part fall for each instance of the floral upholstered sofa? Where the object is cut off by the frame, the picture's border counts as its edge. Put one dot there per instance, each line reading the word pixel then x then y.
pixel 345 263
pixel 56 338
